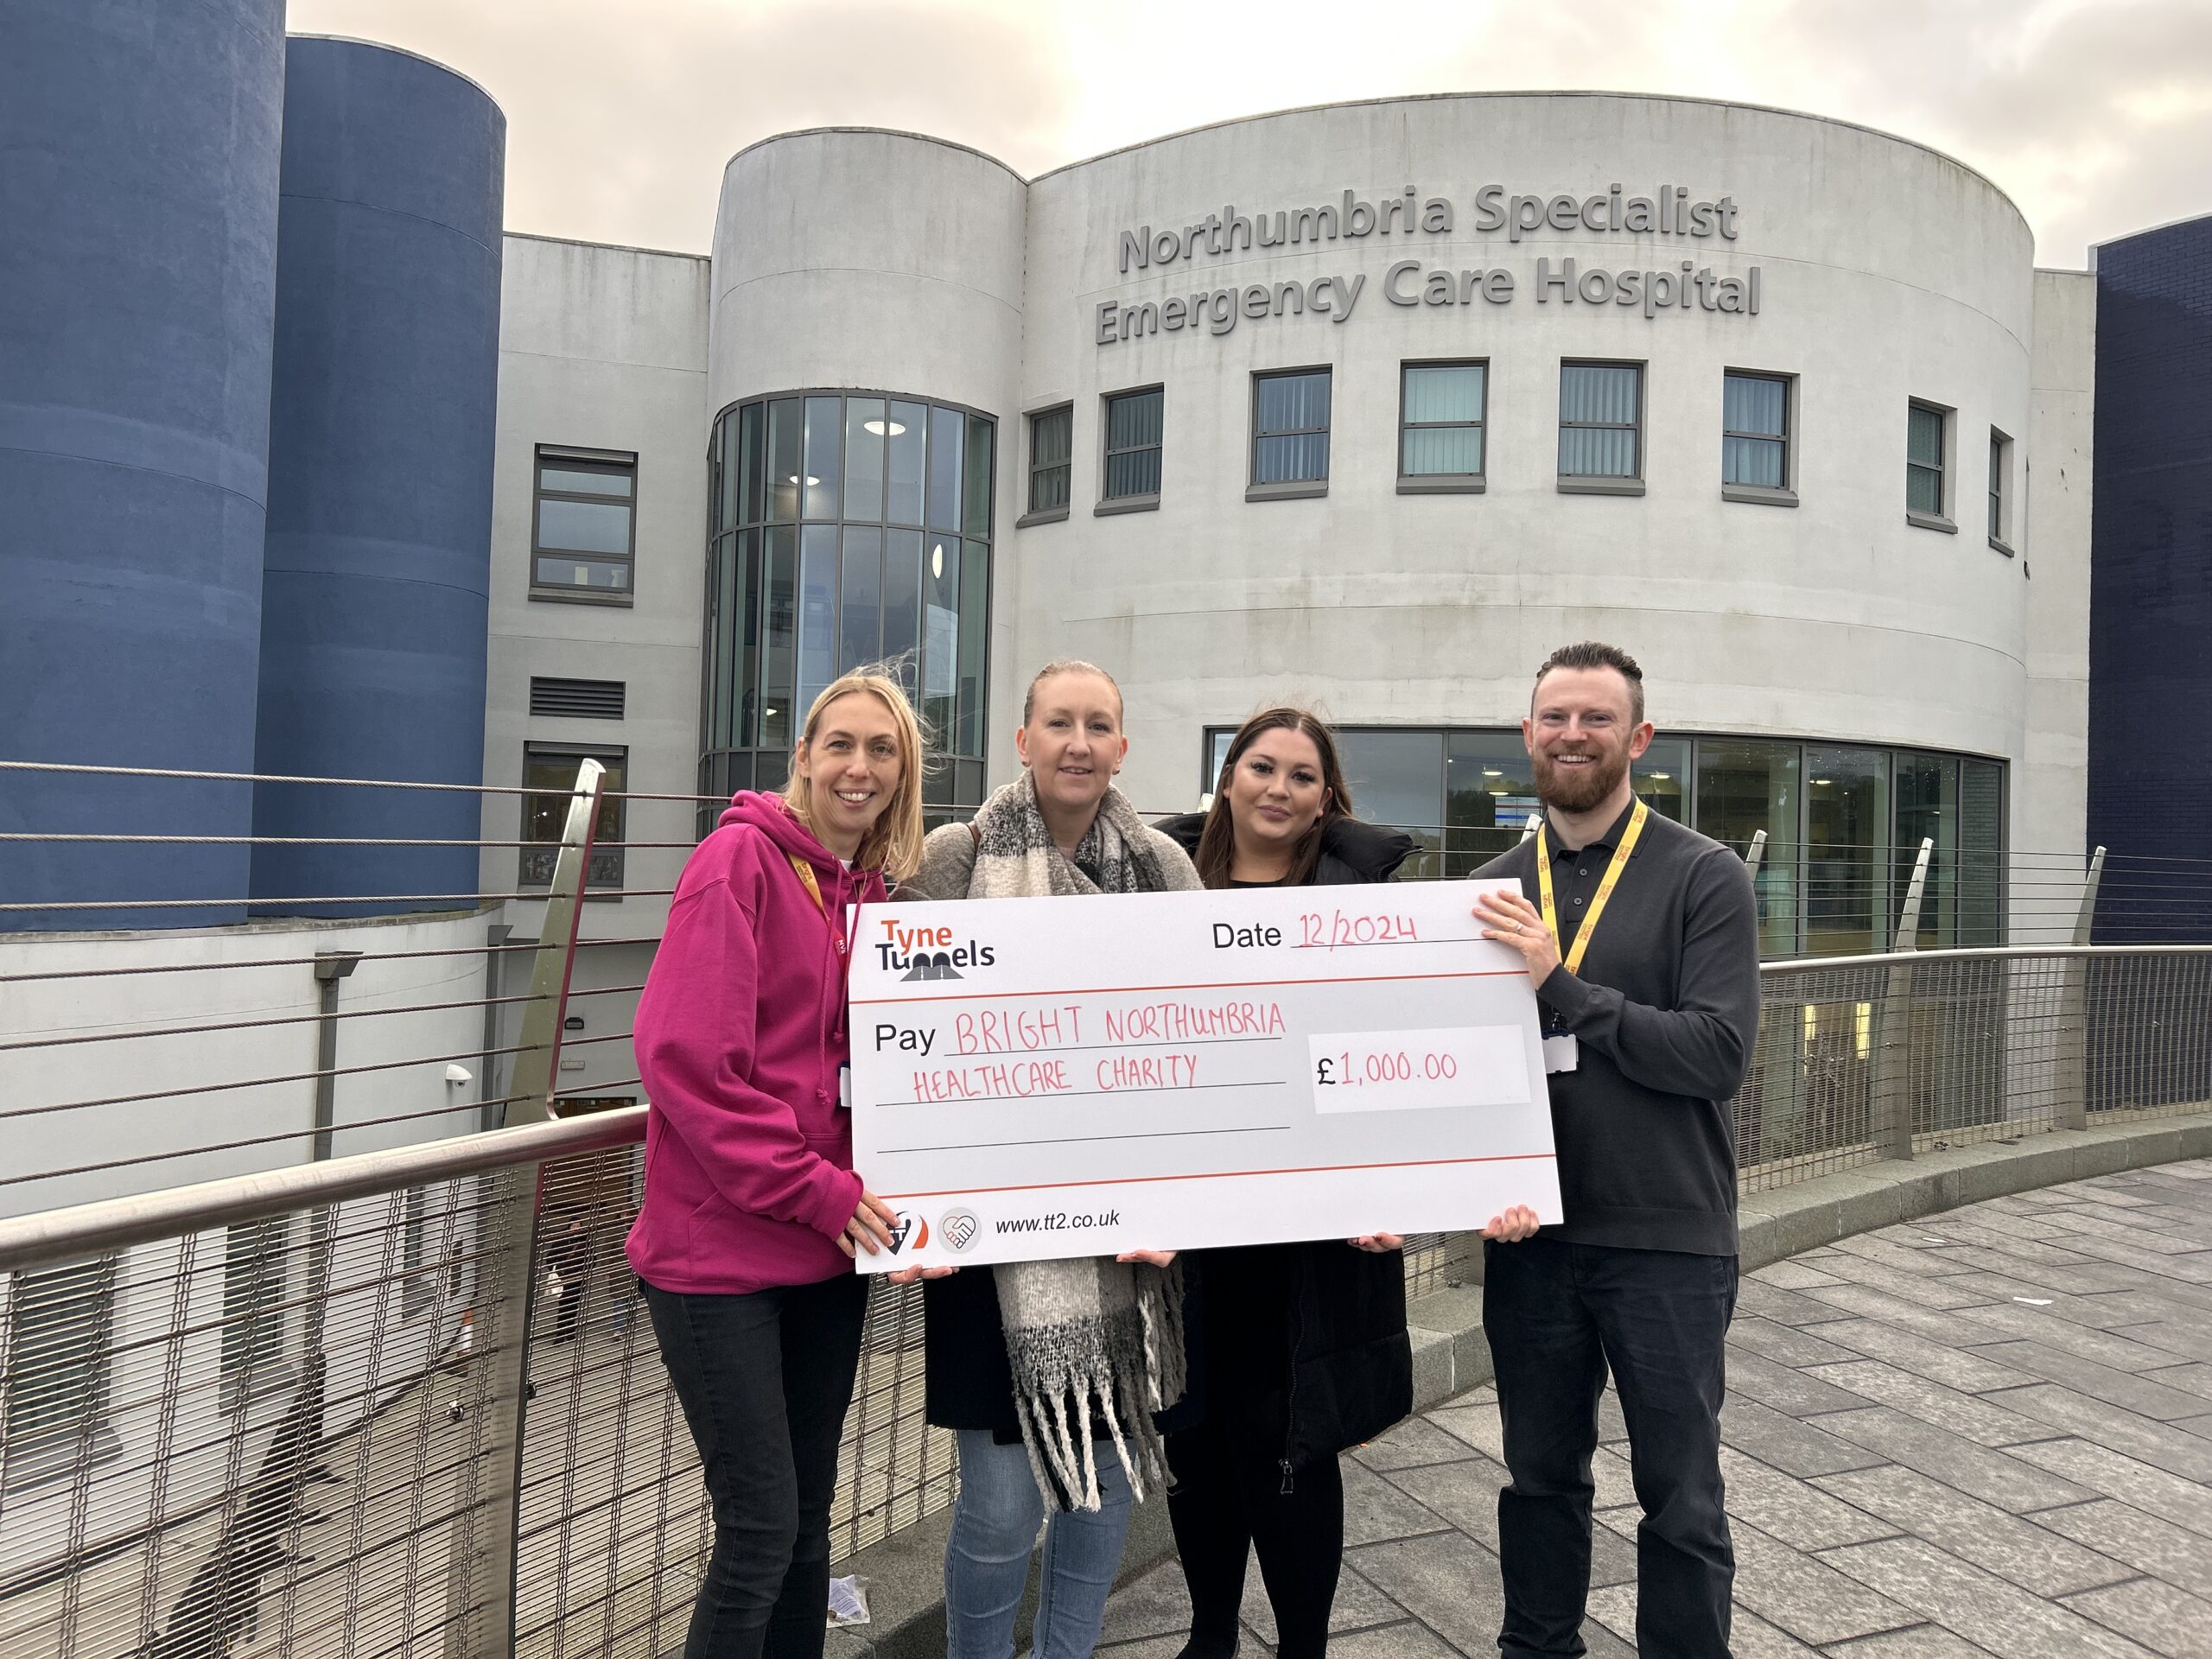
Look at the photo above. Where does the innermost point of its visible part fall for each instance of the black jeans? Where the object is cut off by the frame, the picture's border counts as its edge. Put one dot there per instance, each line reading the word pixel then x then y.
pixel 1228 1498
pixel 765 1380
pixel 1557 1316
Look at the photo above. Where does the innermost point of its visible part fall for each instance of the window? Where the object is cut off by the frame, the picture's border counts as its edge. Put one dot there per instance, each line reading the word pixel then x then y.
pixel 1755 438
pixel 1133 435
pixel 1600 428
pixel 853 528
pixel 1927 499
pixel 1290 435
pixel 583 536
pixel 1052 446
pixel 59 1323
pixel 1440 426
pixel 1842 826
pixel 549 771
pixel 2000 468
pixel 254 1262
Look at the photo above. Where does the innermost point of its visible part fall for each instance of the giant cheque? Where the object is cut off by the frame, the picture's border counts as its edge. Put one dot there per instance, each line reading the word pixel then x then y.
pixel 1037 1077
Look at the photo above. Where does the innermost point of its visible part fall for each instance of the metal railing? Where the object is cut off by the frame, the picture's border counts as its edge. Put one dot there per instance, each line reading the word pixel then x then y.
pixel 448 1428
pixel 405 1400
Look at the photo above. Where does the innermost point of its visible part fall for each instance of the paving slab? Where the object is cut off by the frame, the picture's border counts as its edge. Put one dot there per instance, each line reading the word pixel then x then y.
pixel 1971 1417
pixel 2161 1617
pixel 2032 1556
pixel 2011 1623
pixel 1919 1464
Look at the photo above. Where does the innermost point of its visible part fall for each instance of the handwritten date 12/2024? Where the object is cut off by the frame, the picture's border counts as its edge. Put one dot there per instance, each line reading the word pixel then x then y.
pixel 1342 928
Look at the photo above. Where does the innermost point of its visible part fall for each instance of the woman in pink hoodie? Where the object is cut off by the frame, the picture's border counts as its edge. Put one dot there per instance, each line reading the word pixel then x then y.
pixel 752 1211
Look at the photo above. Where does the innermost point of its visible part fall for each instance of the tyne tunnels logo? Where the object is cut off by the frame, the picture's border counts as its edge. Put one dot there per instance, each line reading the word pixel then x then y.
pixel 908 1228
pixel 927 952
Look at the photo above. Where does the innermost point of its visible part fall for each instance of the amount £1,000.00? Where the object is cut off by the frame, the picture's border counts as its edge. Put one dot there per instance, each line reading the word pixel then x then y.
pixel 1406 1070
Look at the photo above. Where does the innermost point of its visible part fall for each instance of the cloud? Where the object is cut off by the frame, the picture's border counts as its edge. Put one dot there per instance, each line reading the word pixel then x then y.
pixel 621 116
pixel 2094 114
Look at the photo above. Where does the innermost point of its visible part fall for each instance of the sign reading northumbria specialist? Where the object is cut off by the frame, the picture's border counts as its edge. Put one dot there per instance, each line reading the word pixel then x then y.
pixel 1672 215
pixel 1037 1077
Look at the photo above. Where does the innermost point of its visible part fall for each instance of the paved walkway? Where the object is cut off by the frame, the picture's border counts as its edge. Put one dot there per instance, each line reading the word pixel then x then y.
pixel 1989 1432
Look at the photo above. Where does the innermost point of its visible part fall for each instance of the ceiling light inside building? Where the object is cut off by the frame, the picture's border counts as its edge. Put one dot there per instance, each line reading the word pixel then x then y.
pixel 885 428
pixel 937 561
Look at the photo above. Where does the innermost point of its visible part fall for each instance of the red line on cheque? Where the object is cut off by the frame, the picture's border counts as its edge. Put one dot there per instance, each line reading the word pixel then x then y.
pixel 1222 985
pixel 1226 1175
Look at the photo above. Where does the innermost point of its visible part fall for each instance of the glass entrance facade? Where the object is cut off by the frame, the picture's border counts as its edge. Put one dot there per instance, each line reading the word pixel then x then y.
pixel 848 528
pixel 1843 825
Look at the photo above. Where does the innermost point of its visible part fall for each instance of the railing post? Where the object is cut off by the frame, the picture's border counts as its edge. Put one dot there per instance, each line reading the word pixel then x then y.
pixel 1892 1125
pixel 332 969
pixel 2069 1107
pixel 488 1506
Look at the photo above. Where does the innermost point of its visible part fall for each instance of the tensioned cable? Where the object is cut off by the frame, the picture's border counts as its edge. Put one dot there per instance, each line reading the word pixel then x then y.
pixel 307 1019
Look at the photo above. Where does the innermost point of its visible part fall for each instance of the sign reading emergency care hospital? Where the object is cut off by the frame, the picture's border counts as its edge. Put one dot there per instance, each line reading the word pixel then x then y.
pixel 1040 1078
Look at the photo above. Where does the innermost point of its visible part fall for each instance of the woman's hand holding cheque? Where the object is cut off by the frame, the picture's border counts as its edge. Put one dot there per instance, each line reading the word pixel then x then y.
pixel 870 1228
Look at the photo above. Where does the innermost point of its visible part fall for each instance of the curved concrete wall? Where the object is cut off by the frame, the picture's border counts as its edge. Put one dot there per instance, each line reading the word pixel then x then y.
pixel 372 646
pixel 847 258
pixel 1888 273
pixel 138 272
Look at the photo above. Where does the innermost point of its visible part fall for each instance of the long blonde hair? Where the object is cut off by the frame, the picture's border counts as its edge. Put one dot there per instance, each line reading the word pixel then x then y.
pixel 893 842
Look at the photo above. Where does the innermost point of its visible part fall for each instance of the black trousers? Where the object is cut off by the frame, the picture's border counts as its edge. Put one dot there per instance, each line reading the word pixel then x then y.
pixel 1558 1316
pixel 764 1380
pixel 1227 1500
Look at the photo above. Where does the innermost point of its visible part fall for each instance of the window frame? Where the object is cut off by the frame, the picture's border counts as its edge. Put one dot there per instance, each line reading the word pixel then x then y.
pixel 1289 489
pixel 1035 514
pixel 1474 483
pixel 1594 484
pixel 613 851
pixel 1141 501
pixel 2001 491
pixel 1945 467
pixel 763 764
pixel 540 453
pixel 1784 495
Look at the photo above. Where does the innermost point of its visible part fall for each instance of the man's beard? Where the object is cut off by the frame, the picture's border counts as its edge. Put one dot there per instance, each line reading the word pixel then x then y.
pixel 1577 789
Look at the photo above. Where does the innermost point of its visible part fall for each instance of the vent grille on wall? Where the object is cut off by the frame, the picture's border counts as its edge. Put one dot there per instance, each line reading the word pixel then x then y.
pixel 576 699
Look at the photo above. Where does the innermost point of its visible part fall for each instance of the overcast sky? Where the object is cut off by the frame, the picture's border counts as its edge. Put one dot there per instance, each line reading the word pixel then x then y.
pixel 2094 114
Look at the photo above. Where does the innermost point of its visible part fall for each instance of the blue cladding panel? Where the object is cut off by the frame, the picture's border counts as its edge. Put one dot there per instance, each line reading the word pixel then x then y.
pixel 2150 578
pixel 372 643
pixel 138 169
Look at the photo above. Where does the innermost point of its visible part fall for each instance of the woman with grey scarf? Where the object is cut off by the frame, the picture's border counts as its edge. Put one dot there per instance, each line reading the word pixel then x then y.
pixel 1049 1372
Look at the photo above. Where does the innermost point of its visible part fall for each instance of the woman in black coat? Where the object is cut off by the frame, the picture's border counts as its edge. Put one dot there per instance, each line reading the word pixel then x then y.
pixel 1298 1352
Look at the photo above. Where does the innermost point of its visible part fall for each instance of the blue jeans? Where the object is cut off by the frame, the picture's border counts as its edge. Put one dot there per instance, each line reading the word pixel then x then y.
pixel 994 1521
pixel 1559 1316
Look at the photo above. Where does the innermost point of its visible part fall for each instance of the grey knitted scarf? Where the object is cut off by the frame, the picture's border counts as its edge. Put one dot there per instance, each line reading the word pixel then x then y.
pixel 1096 1335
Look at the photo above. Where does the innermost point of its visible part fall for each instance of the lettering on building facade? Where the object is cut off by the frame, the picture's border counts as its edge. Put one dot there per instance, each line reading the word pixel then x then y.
pixel 1655 283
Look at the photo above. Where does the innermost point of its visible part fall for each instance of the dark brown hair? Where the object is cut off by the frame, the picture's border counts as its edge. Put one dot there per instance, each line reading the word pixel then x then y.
pixel 1592 653
pixel 1216 853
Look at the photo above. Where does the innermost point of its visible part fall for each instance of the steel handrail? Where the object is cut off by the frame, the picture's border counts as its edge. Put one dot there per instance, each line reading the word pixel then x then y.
pixel 52 1236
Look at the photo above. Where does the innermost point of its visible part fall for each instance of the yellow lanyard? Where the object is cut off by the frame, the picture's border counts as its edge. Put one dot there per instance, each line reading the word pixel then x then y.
pixel 1605 887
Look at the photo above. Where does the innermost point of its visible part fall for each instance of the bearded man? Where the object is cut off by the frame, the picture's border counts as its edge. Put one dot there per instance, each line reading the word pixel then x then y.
pixel 1642 938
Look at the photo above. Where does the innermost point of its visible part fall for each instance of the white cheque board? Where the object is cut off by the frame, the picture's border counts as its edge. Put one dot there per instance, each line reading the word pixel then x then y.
pixel 1037 1077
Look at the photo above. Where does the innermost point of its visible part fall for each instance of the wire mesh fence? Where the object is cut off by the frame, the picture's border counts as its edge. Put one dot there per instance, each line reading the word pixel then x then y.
pixel 391 1390
pixel 283 1423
